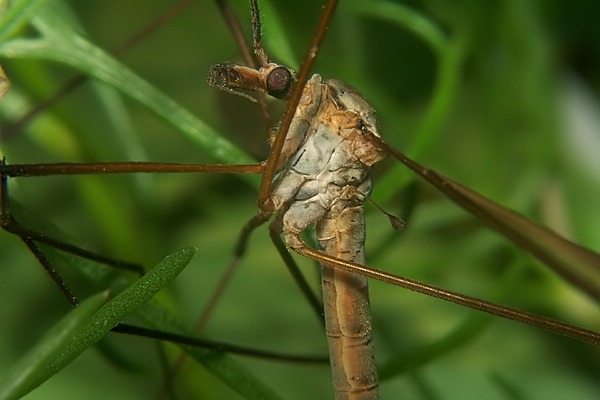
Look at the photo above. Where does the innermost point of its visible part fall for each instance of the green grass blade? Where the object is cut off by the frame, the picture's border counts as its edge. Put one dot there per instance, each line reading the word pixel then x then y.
pixel 125 303
pixel 85 329
pixel 60 43
pixel 223 366
pixel 17 15
pixel 30 371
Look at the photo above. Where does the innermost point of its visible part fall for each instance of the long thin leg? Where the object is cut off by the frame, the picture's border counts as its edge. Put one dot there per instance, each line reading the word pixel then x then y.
pixel 275 230
pixel 574 263
pixel 240 249
pixel 7 220
pixel 29 237
pixel 218 346
pixel 13 226
pixel 220 288
pixel 477 304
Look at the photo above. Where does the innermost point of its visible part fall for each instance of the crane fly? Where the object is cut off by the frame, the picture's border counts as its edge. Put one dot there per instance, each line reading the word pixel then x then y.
pixel 209 239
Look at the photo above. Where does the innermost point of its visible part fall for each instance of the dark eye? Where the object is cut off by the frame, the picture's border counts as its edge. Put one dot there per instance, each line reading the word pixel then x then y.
pixel 279 82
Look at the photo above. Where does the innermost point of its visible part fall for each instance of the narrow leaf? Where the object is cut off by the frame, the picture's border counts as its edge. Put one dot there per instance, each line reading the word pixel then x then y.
pixel 82 328
pixel 222 365
pixel 124 304
pixel 31 371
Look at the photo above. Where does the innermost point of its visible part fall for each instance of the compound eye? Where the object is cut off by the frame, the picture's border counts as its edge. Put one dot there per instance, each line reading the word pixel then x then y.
pixel 279 82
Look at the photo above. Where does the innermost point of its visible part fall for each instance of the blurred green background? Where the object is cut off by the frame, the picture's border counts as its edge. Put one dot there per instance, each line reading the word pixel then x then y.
pixel 500 95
